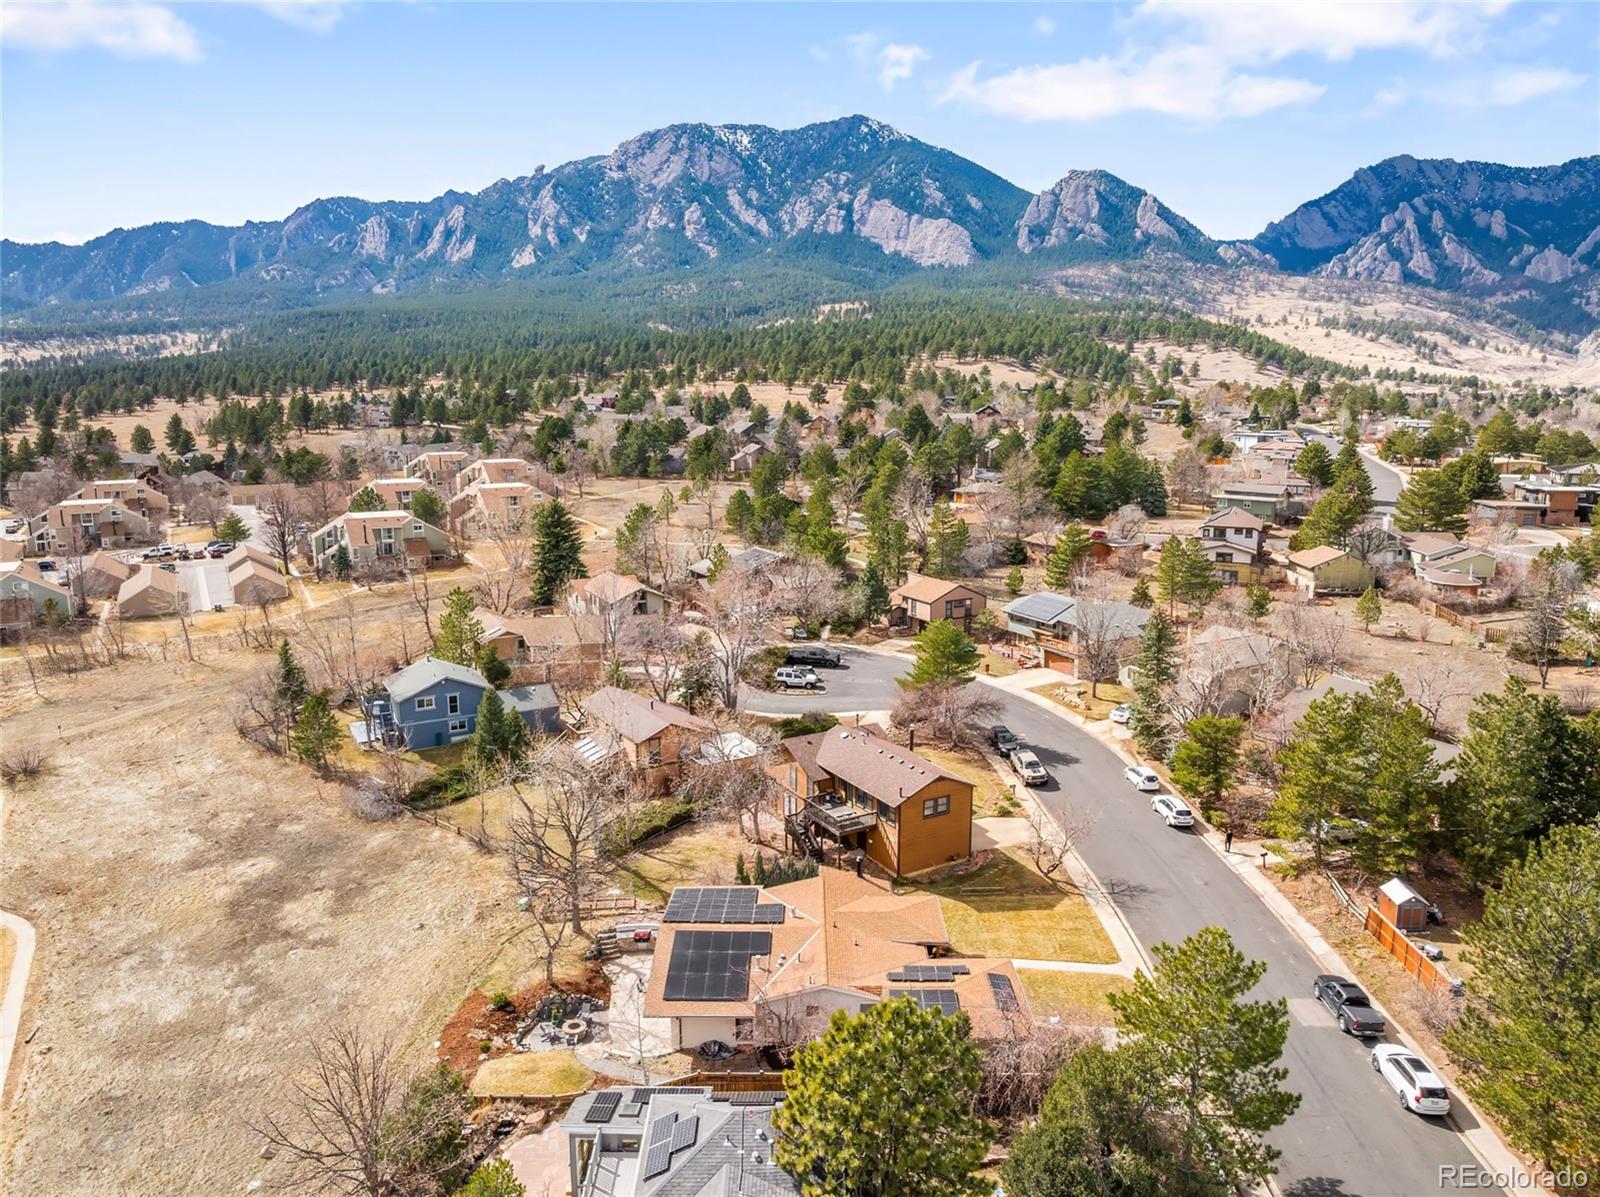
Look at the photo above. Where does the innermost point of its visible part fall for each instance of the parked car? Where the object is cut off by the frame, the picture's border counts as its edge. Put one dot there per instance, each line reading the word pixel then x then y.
pixel 221 550
pixel 1026 766
pixel 1142 778
pixel 1348 1004
pixel 797 677
pixel 1172 809
pixel 1340 830
pixel 1122 714
pixel 1413 1078
pixel 169 567
pixel 14 526
pixel 46 566
pixel 1003 740
pixel 815 656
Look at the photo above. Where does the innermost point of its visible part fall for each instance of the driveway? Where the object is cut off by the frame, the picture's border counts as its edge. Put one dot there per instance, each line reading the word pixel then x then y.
pixel 206 583
pixel 1348 1138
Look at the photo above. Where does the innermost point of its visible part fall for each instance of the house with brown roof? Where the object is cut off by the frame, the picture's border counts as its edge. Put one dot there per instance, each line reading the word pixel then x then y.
pixel 1328 570
pixel 26 594
pixel 134 493
pixel 864 792
pixel 151 591
pixel 104 574
pixel 651 738
pixel 1232 540
pixel 1500 512
pixel 756 967
pixel 919 601
pixel 439 467
pixel 372 537
pixel 491 471
pixel 610 595
pixel 1057 630
pixel 76 525
pixel 494 505
pixel 397 493
pixel 254 576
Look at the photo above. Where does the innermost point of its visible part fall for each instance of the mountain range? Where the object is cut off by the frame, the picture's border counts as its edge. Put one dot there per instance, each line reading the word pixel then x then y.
pixel 857 193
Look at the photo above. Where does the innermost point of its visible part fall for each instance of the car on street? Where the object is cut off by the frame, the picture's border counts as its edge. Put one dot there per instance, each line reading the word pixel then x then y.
pixel 1349 1005
pixel 797 677
pixel 219 550
pixel 1413 1078
pixel 169 567
pixel 1122 714
pixel 14 526
pixel 1142 778
pixel 1027 766
pixel 815 656
pixel 1172 810
pixel 1003 740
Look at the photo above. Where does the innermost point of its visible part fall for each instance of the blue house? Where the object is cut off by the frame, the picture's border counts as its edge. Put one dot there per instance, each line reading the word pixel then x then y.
pixel 433 703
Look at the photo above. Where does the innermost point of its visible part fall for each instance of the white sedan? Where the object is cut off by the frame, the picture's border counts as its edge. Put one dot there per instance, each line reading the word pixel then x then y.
pixel 1171 808
pixel 1122 714
pixel 1142 778
pixel 1413 1078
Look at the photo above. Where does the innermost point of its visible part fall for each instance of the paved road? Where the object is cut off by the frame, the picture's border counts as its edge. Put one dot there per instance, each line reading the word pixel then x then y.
pixel 1349 1138
pixel 1386 483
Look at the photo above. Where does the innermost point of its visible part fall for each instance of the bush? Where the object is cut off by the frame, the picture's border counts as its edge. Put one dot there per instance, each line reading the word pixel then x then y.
pixel 808 724
pixel 758 666
pixel 500 1000
pixel 448 785
pixel 23 762
pixel 647 822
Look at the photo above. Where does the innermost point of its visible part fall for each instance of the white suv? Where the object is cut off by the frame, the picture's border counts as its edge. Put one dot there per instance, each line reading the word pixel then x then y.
pixel 1413 1078
pixel 797 677
pixel 1142 778
pixel 1172 809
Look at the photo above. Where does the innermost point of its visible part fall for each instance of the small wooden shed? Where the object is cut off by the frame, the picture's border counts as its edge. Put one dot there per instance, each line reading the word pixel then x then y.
pixel 1402 905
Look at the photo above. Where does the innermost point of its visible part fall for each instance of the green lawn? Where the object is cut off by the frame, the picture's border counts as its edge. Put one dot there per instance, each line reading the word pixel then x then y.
pixel 989 796
pixel 1075 697
pixel 531 1074
pixel 687 856
pixel 1025 918
pixel 1078 998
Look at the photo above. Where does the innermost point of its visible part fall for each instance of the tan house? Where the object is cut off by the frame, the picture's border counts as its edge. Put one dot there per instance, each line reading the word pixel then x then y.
pixel 151 591
pixel 74 525
pixel 104 574
pixel 1232 540
pixel 133 493
pixel 1327 570
pixel 397 493
pixel 801 951
pixel 570 649
pixel 439 467
pixel 861 791
pixel 652 738
pixel 610 595
pixel 494 504
pixel 492 471
pixel 1498 512
pixel 26 594
pixel 254 575
pixel 372 537
pixel 919 601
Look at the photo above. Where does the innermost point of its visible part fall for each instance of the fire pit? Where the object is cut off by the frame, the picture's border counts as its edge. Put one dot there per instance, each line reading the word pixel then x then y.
pixel 575 1030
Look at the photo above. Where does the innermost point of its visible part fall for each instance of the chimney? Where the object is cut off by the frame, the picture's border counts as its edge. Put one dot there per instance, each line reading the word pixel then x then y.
pixel 911 739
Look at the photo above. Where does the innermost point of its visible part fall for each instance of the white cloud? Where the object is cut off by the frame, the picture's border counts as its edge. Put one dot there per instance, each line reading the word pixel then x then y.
pixel 1044 26
pixel 1519 86
pixel 1505 89
pixel 136 30
pixel 314 16
pixel 1179 82
pixel 896 62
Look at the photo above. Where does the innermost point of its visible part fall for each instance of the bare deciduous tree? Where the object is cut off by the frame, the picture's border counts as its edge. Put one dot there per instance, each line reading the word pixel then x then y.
pixel 1050 841
pixel 954 716
pixel 657 643
pixel 280 523
pixel 1315 638
pixel 505 589
pixel 807 588
pixel 739 606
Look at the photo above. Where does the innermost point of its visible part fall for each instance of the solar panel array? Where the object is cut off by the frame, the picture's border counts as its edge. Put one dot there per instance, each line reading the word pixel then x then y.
pixel 720 904
pixel 1005 996
pixel 603 1107
pixel 644 1093
pixel 942 1000
pixel 754 1097
pixel 930 972
pixel 684 1132
pixel 658 1146
pixel 713 966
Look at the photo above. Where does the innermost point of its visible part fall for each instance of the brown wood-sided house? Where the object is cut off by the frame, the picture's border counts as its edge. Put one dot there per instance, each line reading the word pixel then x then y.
pixel 861 791
pixel 919 601
pixel 654 739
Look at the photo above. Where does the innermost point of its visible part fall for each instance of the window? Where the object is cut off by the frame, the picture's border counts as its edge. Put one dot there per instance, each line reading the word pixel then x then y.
pixel 932 808
pixel 887 813
pixel 453 704
pixel 1224 556
pixel 458 725
pixel 652 750
pixel 426 704
pixel 794 778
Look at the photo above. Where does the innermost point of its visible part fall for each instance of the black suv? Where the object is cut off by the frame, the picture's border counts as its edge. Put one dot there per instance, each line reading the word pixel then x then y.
pixel 1348 1003
pixel 815 656
pixel 1003 740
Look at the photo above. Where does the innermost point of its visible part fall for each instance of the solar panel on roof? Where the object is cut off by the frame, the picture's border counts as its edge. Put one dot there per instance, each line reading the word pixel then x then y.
pixel 658 1159
pixel 756 1098
pixel 684 1132
pixel 714 904
pixel 942 1000
pixel 1005 995
pixel 930 972
pixel 603 1107
pixel 713 966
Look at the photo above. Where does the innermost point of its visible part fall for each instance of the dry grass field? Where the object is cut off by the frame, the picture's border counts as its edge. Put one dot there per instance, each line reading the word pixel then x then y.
pixel 203 911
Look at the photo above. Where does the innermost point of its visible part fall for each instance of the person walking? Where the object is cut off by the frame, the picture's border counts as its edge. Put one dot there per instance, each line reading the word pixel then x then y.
pixel 1227 840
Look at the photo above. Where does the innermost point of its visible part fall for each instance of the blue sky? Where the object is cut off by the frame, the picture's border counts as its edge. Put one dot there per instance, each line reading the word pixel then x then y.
pixel 122 114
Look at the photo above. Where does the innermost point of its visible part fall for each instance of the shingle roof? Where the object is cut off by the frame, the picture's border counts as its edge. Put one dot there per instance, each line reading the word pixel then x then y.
pixel 1232 517
pixel 419 675
pixel 1044 607
pixel 1311 558
pixel 926 590
pixel 881 767
pixel 637 718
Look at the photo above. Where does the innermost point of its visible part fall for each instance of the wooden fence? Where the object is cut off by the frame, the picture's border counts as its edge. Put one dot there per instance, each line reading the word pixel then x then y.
pixel 734 1082
pixel 1395 942
pixel 482 842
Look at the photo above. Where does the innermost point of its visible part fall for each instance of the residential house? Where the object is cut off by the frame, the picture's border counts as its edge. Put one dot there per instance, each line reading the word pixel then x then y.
pixel 136 494
pixel 254 576
pixel 1226 669
pixel 571 646
pixel 78 525
pixel 432 703
pixel 26 594
pixel 1451 582
pixel 152 591
pixel 1249 439
pixel 973 494
pixel 494 470
pixel 494 505
pixel 1506 512
pixel 611 596
pixel 1232 541
pixel 1267 501
pixel 1328 570
pixel 754 560
pixel 1562 505
pixel 1447 564
pixel 866 793
pixel 396 493
pixel 439 468
pixel 743 461
pixel 538 705
pixel 919 601
pixel 651 738
pixel 757 967
pixel 1277 724
pixel 677 1141
pixel 372 537
pixel 104 574
pixel 1058 630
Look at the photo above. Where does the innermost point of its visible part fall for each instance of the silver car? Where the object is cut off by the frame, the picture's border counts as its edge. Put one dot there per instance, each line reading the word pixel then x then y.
pixel 1026 766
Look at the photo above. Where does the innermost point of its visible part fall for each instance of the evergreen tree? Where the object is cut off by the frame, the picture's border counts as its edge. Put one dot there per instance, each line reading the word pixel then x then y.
pixel 1528 1043
pixel 1072 545
pixel 948 536
pixel 289 688
pixel 1216 1053
pixel 493 1179
pixel 1258 600
pixel 1402 791
pixel 719 561
pixel 558 553
pixel 428 507
pixel 233 529
pixel 1331 521
pixel 366 499
pixel 1431 502
pixel 140 440
pixel 489 663
pixel 499 733
pixel 459 630
pixel 697 680
pixel 1475 476
pixel 1013 581
pixel 874 594
pixel 888 543
pixel 1369 609
pixel 1141 596
pixel 882 1103
pixel 316 731
pixel 1323 773
pixel 1207 758
pixel 1315 463
pixel 1155 669
pixel 340 562
pixel 1183 574
pixel 944 654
